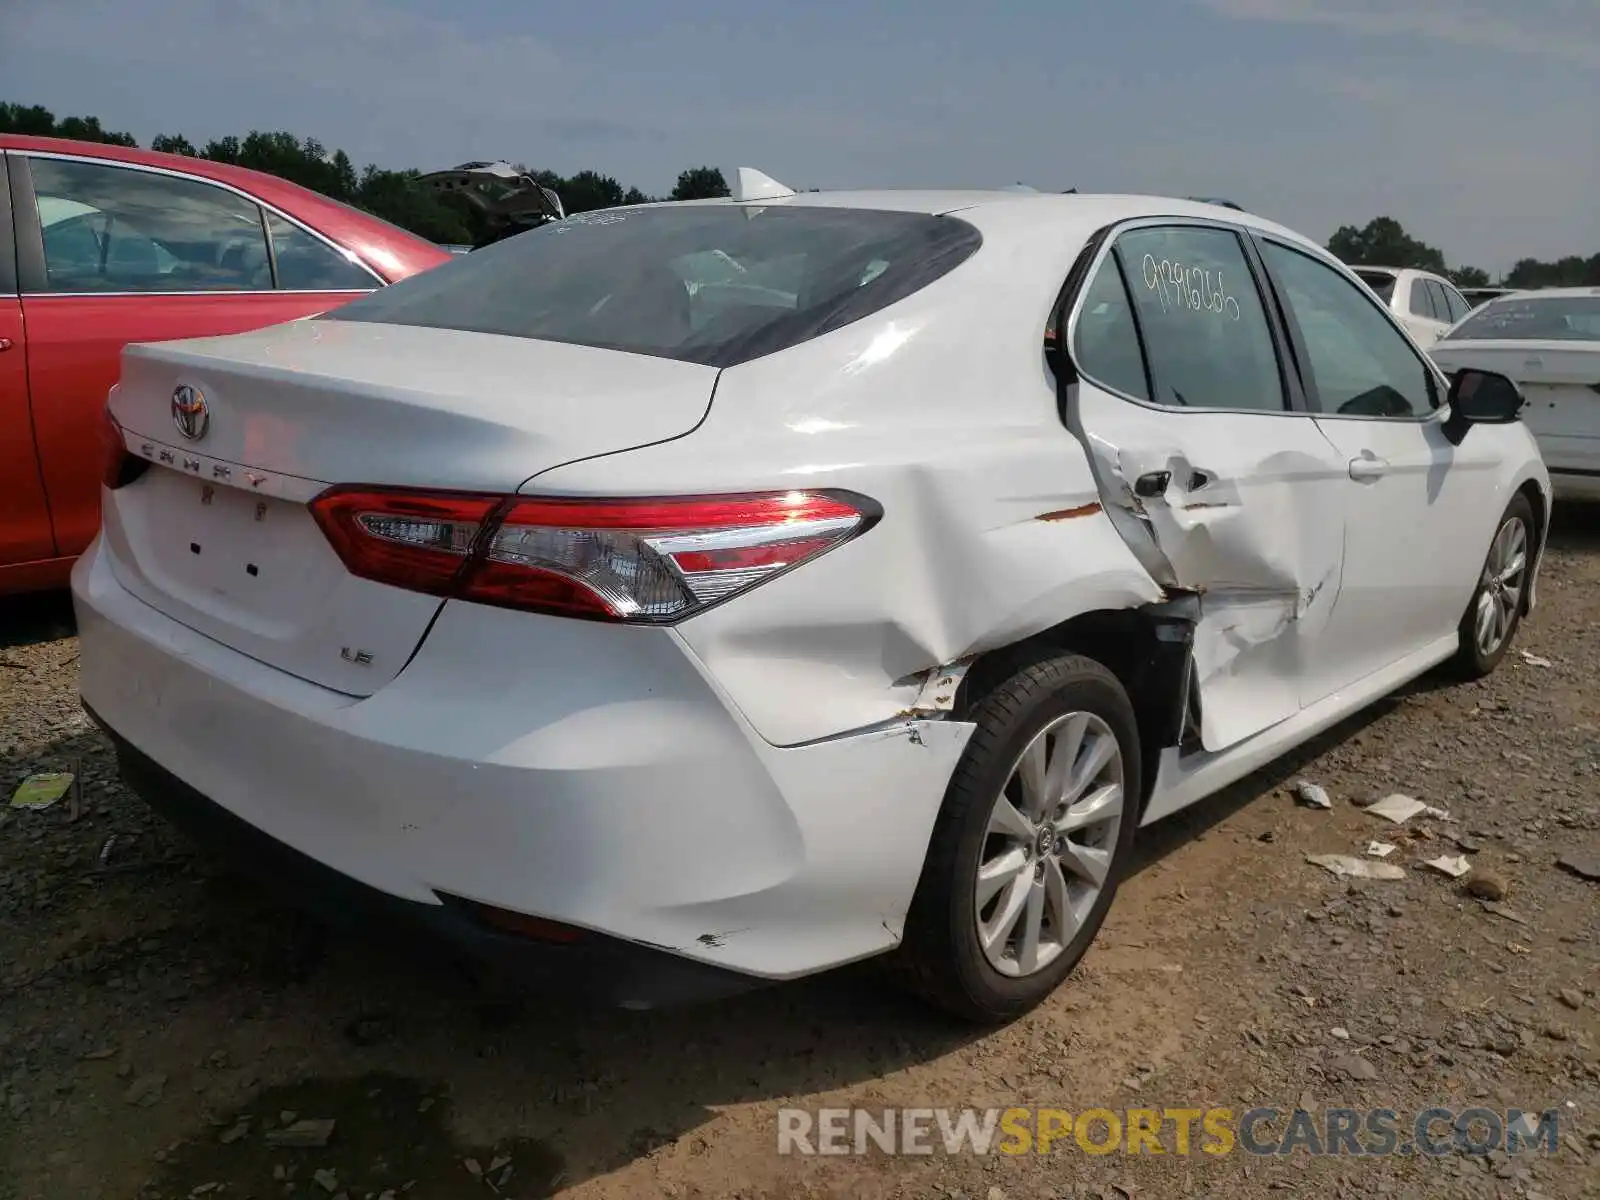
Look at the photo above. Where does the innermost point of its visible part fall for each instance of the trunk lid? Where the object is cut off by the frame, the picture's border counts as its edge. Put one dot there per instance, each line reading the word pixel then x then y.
pixel 1561 381
pixel 217 533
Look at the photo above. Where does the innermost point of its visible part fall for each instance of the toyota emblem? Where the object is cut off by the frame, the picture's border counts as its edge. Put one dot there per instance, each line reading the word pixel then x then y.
pixel 189 412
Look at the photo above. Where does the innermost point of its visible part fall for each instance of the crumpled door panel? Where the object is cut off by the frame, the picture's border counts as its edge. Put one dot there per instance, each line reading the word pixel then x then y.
pixel 1245 511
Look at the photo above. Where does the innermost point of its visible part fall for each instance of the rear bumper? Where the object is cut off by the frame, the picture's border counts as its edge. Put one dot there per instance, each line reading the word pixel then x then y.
pixel 584 774
pixel 597 968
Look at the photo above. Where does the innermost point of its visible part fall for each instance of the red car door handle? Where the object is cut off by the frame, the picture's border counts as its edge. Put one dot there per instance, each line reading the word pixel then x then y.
pixel 5 343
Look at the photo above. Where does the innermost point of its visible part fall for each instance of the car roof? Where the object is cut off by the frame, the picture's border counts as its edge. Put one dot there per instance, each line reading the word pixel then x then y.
pixel 1012 211
pixel 204 168
pixel 1555 293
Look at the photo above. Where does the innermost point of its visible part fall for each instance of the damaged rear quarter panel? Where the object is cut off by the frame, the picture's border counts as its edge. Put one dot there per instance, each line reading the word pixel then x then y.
pixel 941 410
pixel 960 563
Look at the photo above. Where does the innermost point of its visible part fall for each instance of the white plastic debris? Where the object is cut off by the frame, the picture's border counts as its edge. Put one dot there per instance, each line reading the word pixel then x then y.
pixel 1400 808
pixel 1357 868
pixel 1533 660
pixel 1380 849
pixel 1454 866
pixel 1501 911
pixel 1311 795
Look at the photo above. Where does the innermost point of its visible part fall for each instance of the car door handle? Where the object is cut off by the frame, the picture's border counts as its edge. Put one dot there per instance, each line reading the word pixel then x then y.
pixel 1368 467
pixel 5 344
pixel 1152 484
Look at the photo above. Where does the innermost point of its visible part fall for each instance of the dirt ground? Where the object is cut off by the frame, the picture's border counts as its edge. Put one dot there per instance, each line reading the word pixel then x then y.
pixel 160 1020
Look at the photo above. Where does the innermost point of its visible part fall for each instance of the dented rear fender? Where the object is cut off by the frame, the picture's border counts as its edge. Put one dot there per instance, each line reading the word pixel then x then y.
pixel 984 541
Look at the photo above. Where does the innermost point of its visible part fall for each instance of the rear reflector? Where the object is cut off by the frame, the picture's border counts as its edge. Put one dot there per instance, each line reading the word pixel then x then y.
pixel 521 924
pixel 650 561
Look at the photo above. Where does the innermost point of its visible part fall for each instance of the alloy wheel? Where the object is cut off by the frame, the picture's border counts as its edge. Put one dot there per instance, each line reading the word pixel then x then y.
pixel 1500 589
pixel 1048 849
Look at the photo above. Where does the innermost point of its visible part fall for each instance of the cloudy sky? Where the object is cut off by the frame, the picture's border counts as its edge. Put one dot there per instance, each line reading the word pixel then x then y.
pixel 1476 123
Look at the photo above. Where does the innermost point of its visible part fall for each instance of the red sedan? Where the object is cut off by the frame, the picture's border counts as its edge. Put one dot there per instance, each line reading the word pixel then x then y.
pixel 103 245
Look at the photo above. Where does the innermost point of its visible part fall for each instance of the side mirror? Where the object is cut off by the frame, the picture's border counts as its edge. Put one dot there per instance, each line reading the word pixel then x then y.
pixel 1480 398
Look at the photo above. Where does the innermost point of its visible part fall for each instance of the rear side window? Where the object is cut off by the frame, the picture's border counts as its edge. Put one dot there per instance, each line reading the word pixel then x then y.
pixel 1380 282
pixel 1441 303
pixel 1204 329
pixel 307 264
pixel 1106 344
pixel 713 284
pixel 1421 301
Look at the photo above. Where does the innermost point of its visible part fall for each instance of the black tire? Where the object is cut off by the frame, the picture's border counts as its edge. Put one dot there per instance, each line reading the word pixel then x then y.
pixel 940 957
pixel 1471 661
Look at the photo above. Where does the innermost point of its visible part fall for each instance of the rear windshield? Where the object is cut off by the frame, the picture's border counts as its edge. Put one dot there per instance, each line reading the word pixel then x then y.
pixel 1539 318
pixel 712 284
pixel 1379 281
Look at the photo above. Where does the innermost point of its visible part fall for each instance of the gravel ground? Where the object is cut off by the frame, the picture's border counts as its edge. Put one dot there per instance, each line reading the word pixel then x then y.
pixel 161 1021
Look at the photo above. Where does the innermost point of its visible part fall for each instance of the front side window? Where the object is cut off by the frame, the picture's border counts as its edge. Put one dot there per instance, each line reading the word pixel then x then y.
pixel 116 229
pixel 306 264
pixel 1204 328
pixel 1361 365
pixel 713 284
pixel 1536 318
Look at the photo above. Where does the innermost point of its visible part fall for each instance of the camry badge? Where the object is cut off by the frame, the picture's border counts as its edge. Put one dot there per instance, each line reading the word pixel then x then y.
pixel 189 412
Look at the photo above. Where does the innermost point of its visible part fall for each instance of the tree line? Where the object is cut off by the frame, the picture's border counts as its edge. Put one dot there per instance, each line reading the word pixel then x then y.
pixel 399 197
pixel 396 196
pixel 1382 242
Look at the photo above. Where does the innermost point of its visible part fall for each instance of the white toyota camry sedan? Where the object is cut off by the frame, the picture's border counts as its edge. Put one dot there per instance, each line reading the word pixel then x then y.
pixel 683 597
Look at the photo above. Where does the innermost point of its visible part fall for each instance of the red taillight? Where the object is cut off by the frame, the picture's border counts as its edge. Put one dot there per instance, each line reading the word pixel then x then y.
pixel 415 540
pixel 656 560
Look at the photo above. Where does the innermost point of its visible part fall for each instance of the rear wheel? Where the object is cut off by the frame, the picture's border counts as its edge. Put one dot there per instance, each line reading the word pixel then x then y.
pixel 1030 844
pixel 1495 611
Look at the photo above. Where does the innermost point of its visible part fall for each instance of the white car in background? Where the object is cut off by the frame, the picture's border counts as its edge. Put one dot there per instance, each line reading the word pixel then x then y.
pixel 669 634
pixel 1548 341
pixel 1425 303
pixel 1477 297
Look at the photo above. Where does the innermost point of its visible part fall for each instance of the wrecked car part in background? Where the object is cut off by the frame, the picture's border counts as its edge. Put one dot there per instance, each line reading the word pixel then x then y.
pixel 509 199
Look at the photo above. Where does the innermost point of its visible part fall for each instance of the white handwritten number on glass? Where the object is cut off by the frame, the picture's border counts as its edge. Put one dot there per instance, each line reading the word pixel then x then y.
pixel 1178 286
